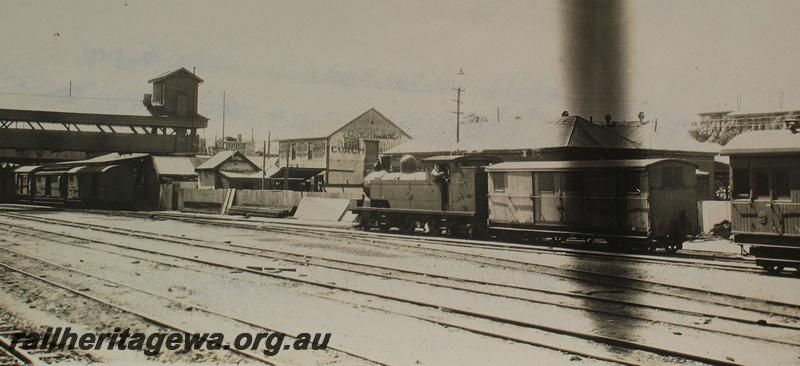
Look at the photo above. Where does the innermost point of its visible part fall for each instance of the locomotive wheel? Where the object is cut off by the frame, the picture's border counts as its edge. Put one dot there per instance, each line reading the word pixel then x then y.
pixel 434 227
pixel 363 223
pixel 382 226
pixel 409 227
pixel 453 229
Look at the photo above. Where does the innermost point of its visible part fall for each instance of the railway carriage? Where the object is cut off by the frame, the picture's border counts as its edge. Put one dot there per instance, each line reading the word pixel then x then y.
pixel 765 195
pixel 648 203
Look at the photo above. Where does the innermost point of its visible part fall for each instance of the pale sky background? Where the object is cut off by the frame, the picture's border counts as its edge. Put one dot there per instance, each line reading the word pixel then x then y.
pixel 287 65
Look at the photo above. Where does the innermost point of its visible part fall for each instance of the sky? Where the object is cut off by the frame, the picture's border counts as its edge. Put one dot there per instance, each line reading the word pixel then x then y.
pixel 291 66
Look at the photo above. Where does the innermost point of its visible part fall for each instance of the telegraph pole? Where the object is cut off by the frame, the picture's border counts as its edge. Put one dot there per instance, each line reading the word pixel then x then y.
pixel 264 163
pixel 223 115
pixel 264 166
pixel 286 172
pixel 458 112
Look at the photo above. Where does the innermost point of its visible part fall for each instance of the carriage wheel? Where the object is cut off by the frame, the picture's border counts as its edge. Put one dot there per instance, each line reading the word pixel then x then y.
pixel 673 245
pixel 473 231
pixel 773 268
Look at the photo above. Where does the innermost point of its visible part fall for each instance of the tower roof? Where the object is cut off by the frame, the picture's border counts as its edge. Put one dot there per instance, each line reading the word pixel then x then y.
pixel 169 74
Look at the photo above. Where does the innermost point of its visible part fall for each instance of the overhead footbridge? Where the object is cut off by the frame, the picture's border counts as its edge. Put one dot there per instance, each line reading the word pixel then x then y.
pixel 35 128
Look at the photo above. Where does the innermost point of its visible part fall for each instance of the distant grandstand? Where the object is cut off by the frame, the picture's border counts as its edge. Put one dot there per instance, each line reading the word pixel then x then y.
pixel 721 127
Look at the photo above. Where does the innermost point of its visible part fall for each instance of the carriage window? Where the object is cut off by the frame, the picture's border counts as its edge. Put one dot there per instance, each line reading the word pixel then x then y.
pixel 499 182
pixel 761 188
pixel 629 183
pixel 741 183
pixel 547 182
pixel 782 186
pixel 672 177
pixel 574 182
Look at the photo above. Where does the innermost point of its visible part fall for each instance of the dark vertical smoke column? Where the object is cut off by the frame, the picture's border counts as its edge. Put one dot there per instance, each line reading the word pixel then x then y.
pixel 595 58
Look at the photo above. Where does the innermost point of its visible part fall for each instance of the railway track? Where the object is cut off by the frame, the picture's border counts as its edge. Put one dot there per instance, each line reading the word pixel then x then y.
pixel 182 240
pixel 693 259
pixel 29 359
pixel 181 304
pixel 688 258
pixel 693 294
pixel 608 341
pixel 11 356
pixel 244 269
pixel 766 307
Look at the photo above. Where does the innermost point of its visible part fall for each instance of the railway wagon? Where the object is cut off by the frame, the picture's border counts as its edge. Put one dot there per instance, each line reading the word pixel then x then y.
pixel 103 186
pixel 646 204
pixel 50 185
pixel 24 182
pixel 765 195
pixel 106 186
pixel 448 193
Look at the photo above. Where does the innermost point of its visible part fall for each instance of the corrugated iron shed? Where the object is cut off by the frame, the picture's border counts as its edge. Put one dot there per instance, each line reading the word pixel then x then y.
pixel 216 160
pixel 570 131
pixel 107 158
pixel 764 142
pixel 577 164
pixel 174 166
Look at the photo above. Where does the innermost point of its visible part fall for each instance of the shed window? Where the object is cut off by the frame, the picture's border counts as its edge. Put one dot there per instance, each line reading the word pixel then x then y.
pixel 294 151
pixel 672 177
pixel 309 152
pixel 158 93
pixel 499 182
pixel 741 183
pixel 782 186
pixel 546 182
pixel 573 182
pixel 761 184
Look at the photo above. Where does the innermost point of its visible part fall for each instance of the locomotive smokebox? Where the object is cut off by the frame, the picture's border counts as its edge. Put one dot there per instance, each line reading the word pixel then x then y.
pixel 595 56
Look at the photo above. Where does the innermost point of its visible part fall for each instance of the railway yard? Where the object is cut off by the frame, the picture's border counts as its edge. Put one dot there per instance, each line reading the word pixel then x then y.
pixel 384 298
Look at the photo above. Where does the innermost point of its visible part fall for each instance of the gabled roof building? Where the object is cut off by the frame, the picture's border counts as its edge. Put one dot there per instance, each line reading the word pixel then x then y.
pixel 342 152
